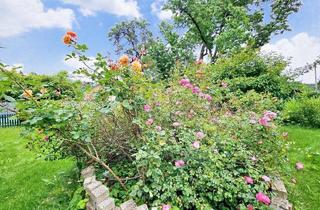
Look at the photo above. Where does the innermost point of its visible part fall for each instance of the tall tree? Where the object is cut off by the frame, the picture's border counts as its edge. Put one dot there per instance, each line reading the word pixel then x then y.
pixel 131 37
pixel 220 27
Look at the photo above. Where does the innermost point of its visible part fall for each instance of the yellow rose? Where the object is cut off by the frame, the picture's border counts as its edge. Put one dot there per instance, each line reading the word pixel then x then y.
pixel 136 66
pixel 27 93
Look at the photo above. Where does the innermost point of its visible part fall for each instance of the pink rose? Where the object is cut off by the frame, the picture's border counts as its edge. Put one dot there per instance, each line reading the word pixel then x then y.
pixel 176 124
pixel 202 95
pixel 166 207
pixel 266 178
pixel 158 128
pixel 263 198
pixel 147 108
pixel 196 90
pixel 157 104
pixel 183 82
pixel 224 84
pixel 250 207
pixel 179 163
pixel 189 86
pixel 271 115
pixel 196 144
pixel 199 135
pixel 149 122
pixel 264 121
pixel 299 166
pixel 208 97
pixel 248 179
pixel 253 158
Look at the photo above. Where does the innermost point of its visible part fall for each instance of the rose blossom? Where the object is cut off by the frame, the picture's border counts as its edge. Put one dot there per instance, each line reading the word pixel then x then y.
pixel 263 198
pixel 196 144
pixel 250 207
pixel 254 158
pixel 158 128
pixel 299 166
pixel 149 122
pixel 189 85
pixel 264 121
pixel 176 124
pixel 199 135
pixel 248 179
pixel 266 178
pixel 147 108
pixel 179 163
pixel 166 207
pixel 208 97
pixel 271 115
pixel 196 90
pixel 224 84
pixel 184 82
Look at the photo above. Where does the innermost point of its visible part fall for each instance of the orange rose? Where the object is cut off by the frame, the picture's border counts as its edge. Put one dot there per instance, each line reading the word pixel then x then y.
pixel 72 34
pixel 114 67
pixel 67 39
pixel 136 66
pixel 124 60
pixel 27 93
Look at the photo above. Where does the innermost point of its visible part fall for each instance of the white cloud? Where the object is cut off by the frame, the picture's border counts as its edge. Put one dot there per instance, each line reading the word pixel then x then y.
pixel 302 49
pixel 18 16
pixel 128 8
pixel 156 8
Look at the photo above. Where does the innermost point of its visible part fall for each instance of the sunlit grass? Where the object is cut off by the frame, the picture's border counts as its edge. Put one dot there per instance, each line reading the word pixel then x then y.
pixel 28 183
pixel 305 148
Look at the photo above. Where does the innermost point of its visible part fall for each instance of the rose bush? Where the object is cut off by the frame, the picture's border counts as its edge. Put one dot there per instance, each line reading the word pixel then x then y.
pixel 175 144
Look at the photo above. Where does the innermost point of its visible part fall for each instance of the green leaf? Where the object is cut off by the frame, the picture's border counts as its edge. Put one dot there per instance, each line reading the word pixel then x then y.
pixel 9 98
pixel 126 104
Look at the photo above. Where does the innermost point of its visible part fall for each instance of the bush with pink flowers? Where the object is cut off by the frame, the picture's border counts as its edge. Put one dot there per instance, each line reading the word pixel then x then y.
pixel 175 144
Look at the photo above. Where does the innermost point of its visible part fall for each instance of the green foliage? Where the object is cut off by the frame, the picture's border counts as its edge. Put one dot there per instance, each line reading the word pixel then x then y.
pixel 303 111
pixel 221 27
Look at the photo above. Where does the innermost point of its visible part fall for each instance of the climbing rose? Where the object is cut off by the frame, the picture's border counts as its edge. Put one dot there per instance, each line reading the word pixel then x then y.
pixel 263 198
pixel 248 179
pixel 124 60
pixel 166 207
pixel 67 39
pixel 250 207
pixel 266 178
pixel 264 121
pixel 179 163
pixel 184 82
pixel 224 84
pixel 196 90
pixel 136 66
pixel 196 144
pixel 72 34
pixel 200 135
pixel 147 108
pixel 149 122
pixel 299 166
pixel 270 115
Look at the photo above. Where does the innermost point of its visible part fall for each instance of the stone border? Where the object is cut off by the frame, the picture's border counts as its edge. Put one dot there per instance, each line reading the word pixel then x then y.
pixel 280 200
pixel 99 198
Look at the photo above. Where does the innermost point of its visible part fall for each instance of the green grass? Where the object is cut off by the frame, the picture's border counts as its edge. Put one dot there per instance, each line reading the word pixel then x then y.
pixel 27 182
pixel 305 148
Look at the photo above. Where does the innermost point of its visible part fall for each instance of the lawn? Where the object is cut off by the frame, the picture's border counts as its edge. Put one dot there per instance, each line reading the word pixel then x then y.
pixel 305 148
pixel 28 182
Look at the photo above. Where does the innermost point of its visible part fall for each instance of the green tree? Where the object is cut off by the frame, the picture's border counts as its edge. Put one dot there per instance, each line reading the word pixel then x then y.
pixel 131 37
pixel 221 27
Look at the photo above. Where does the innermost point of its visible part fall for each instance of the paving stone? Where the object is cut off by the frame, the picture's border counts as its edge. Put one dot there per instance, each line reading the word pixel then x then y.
pixel 279 203
pixel 107 204
pixel 87 172
pixel 279 188
pixel 99 194
pixel 89 180
pixel 93 185
pixel 90 206
pixel 142 207
pixel 128 205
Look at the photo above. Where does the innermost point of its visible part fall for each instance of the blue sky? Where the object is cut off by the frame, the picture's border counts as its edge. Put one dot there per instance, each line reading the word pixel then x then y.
pixel 31 30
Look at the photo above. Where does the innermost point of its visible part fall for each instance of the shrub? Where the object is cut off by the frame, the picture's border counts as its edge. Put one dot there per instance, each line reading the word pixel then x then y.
pixel 304 111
